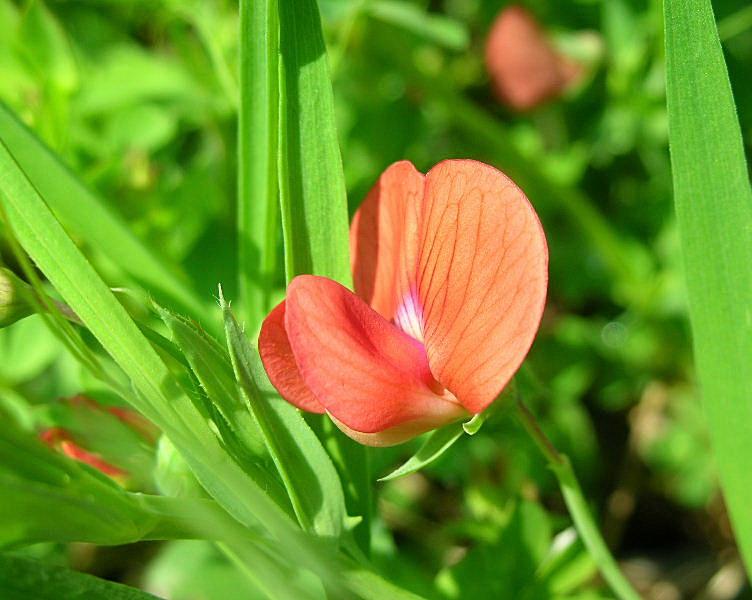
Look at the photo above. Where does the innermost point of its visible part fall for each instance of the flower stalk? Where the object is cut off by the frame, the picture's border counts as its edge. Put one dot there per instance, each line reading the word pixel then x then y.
pixel 577 506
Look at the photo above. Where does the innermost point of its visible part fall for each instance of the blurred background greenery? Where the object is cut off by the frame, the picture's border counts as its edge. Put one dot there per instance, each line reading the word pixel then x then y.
pixel 140 98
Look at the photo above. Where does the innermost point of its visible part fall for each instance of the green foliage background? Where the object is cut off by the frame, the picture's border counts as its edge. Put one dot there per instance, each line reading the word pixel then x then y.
pixel 140 99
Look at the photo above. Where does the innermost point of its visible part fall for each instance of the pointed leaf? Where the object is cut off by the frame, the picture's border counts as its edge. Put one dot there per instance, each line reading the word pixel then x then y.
pixel 435 445
pixel 306 470
pixel 714 212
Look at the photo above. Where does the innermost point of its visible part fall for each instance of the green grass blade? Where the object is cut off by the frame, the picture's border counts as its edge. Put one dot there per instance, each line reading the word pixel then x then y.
pixel 211 365
pixel 314 199
pixel 22 578
pixel 87 216
pixel 307 471
pixel 258 208
pixel 714 210
pixel 312 182
pixel 158 394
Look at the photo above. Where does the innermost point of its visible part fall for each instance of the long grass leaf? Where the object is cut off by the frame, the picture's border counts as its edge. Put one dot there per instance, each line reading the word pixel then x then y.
pixel 313 199
pixel 307 471
pixel 714 210
pixel 158 395
pixel 87 216
pixel 312 182
pixel 258 207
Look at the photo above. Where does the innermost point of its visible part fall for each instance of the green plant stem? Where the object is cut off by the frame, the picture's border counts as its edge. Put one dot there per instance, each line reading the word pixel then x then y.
pixel 578 507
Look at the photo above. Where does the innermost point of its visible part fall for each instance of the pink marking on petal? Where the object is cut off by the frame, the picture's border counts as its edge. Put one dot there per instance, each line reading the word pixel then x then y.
pixel 409 315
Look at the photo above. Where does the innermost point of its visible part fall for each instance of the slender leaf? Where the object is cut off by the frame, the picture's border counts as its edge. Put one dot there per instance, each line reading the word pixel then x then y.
pixel 258 209
pixel 313 200
pixel 312 182
pixel 22 578
pixel 435 445
pixel 211 365
pixel 88 217
pixel 714 210
pixel 157 393
pixel 307 471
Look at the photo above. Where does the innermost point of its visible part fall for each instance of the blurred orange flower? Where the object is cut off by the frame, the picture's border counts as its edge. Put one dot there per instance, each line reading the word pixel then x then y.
pixel 526 70
pixel 60 439
pixel 450 272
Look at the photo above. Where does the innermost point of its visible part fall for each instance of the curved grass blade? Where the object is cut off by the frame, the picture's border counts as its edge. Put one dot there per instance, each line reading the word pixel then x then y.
pixel 313 199
pixel 307 471
pixel 435 445
pixel 714 212
pixel 157 394
pixel 87 216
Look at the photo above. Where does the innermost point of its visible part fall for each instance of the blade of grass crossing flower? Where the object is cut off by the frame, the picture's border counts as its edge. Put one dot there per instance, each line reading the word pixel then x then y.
pixel 312 182
pixel 88 217
pixel 258 208
pixel 714 212
pixel 306 470
pixel 313 199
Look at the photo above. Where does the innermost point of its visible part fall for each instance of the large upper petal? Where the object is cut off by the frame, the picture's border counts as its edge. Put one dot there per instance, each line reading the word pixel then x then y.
pixel 367 373
pixel 482 276
pixel 383 238
pixel 279 362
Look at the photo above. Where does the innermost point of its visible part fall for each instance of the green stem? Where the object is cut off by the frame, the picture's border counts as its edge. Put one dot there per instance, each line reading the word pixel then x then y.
pixel 578 507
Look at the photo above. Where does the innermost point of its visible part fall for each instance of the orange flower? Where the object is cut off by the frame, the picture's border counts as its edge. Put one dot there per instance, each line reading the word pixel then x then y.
pixel 59 439
pixel 450 271
pixel 525 68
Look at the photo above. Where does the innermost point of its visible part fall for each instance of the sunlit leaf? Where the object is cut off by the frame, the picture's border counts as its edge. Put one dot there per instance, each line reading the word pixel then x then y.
pixel 714 210
pixel 307 471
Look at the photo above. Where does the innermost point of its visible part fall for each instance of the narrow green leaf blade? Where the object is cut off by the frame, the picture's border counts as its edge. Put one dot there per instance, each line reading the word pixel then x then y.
pixel 313 199
pixel 22 578
pixel 157 394
pixel 714 210
pixel 435 445
pixel 258 123
pixel 312 182
pixel 306 469
pixel 211 365
pixel 87 216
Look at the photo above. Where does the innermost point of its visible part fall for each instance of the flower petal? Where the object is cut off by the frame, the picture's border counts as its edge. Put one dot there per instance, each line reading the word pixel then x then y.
pixel 525 68
pixel 482 278
pixel 279 362
pixel 367 373
pixel 383 238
